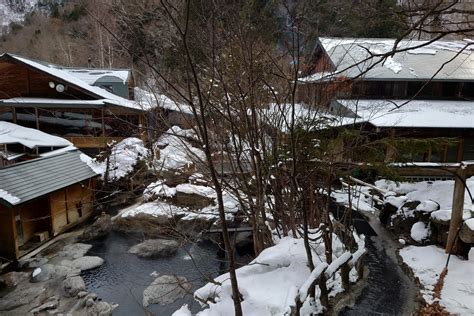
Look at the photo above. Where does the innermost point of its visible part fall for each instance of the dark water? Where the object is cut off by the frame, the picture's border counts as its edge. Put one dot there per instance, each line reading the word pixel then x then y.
pixel 123 276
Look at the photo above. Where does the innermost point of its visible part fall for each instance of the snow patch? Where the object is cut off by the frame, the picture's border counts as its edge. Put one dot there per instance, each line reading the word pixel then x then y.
pixel 9 198
pixel 420 231
pixel 427 264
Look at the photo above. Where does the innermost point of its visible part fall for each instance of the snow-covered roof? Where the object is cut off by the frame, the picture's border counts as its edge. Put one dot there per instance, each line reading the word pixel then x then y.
pixel 149 100
pixel 65 76
pixel 415 113
pixel 351 58
pixel 90 76
pixel 50 102
pixel 15 134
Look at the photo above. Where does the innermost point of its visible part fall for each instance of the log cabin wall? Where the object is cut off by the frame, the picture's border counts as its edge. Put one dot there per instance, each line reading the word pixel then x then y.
pixel 8 246
pixel 20 81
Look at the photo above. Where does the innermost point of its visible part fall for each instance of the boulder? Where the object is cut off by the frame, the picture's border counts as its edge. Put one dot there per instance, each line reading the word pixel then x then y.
pixel 165 290
pixel 101 308
pixel 43 273
pixel 75 251
pixel 12 279
pixel 146 225
pixel 467 231
pixel 20 297
pixel 32 263
pixel 51 303
pixel 72 286
pixel 385 213
pixel 99 229
pixel 195 226
pixel 87 263
pixel 66 270
pixel 155 248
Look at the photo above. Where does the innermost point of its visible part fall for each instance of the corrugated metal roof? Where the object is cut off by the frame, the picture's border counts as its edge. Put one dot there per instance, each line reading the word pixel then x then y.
pixel 25 181
pixel 352 57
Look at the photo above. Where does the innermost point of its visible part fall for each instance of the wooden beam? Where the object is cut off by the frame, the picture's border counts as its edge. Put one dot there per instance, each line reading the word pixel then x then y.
pixel 14 114
pixel 458 208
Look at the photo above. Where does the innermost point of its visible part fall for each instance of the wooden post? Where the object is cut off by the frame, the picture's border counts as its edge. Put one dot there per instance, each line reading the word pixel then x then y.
pixel 103 121
pixel 345 269
pixel 458 208
pixel 37 119
pixel 14 114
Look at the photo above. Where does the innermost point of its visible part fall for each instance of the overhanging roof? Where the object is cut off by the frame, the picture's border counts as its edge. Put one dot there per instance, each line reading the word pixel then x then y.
pixel 352 58
pixel 23 182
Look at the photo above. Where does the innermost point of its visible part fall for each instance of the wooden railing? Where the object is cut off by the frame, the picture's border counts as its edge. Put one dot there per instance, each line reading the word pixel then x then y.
pixel 322 273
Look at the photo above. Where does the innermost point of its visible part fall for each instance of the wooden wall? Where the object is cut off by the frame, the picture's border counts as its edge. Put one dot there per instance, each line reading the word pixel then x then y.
pixel 8 247
pixel 20 81
pixel 35 217
pixel 71 205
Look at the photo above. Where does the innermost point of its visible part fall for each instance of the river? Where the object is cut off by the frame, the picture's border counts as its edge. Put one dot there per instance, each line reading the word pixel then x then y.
pixel 124 276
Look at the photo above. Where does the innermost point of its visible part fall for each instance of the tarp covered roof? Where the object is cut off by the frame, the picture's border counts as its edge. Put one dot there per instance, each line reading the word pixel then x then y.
pixel 351 57
pixel 28 180
pixel 413 113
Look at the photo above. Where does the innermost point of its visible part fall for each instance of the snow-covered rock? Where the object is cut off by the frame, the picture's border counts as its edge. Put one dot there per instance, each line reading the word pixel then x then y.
pixel 176 151
pixel 165 290
pixel 420 232
pixel 428 206
pixel 123 158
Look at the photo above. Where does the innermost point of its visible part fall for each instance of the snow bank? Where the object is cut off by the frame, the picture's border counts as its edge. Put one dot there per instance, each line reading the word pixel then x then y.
pixel 201 190
pixel 123 158
pixel 440 192
pixel 420 232
pixel 427 264
pixel 176 151
pixel 270 281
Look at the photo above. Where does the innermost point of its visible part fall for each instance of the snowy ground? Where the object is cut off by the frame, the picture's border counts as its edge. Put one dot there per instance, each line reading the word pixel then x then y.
pixel 272 281
pixel 427 264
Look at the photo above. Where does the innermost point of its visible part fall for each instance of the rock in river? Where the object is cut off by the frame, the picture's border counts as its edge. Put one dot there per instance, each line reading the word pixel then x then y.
pixel 75 251
pixel 155 247
pixel 72 286
pixel 99 229
pixel 87 263
pixel 165 290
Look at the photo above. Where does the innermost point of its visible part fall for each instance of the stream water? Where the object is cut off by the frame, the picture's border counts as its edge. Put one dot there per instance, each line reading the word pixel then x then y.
pixel 388 290
pixel 124 276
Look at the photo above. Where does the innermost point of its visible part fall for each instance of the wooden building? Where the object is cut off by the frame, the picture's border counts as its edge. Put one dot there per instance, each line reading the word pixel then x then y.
pixel 89 107
pixel 424 91
pixel 41 198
